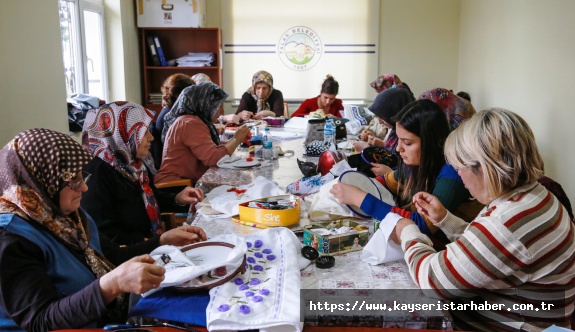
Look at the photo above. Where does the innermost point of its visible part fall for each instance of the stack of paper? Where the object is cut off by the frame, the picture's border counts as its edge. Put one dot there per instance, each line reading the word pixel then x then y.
pixel 196 60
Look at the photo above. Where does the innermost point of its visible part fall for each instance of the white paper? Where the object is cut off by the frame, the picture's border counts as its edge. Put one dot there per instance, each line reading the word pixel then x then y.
pixel 380 248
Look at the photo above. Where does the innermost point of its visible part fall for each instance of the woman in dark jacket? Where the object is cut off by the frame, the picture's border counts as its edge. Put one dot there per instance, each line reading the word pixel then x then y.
pixel 123 199
pixel 261 99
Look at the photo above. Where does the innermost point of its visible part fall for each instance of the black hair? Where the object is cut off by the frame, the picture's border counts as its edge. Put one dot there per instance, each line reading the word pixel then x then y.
pixel 330 86
pixel 425 119
pixel 464 95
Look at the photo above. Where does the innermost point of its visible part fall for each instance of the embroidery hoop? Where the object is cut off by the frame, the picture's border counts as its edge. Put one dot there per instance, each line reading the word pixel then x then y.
pixel 208 251
pixel 364 183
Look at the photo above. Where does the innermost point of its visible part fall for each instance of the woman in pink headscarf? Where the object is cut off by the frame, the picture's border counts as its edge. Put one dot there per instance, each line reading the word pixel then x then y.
pixel 455 108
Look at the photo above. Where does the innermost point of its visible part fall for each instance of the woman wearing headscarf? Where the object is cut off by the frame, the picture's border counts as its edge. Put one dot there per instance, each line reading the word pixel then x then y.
pixel 56 270
pixel 386 106
pixel 261 99
pixel 374 133
pixel 191 142
pixel 456 109
pixel 123 199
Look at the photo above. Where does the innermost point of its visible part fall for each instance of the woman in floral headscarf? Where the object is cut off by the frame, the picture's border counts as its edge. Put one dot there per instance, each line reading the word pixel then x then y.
pixel 261 99
pixel 54 268
pixel 191 142
pixel 455 108
pixel 123 199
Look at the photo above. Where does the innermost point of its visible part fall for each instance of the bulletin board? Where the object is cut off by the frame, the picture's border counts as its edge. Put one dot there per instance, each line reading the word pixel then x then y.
pixel 299 43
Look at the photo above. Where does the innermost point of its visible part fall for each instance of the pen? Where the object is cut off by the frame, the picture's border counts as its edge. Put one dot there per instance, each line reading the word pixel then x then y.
pixel 114 327
pixel 179 327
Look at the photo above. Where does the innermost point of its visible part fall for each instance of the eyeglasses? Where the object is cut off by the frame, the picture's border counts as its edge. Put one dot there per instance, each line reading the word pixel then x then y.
pixel 76 184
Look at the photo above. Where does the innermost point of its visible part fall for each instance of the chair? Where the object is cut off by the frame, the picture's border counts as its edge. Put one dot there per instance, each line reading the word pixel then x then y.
pixel 286 110
pixel 174 219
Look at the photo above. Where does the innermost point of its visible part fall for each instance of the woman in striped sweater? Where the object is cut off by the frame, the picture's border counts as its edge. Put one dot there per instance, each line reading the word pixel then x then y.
pixel 520 249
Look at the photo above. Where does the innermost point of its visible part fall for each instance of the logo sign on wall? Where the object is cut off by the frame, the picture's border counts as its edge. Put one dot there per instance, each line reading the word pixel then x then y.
pixel 300 48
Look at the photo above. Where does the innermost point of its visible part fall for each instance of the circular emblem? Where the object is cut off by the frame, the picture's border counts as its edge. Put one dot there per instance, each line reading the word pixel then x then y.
pixel 299 48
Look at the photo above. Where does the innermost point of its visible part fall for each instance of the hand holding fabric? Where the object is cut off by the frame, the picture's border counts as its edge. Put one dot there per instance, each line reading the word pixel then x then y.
pixel 138 275
pixel 182 236
pixel 348 194
pixel 430 206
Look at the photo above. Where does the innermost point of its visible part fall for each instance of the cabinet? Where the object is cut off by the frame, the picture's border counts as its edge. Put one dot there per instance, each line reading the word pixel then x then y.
pixel 177 42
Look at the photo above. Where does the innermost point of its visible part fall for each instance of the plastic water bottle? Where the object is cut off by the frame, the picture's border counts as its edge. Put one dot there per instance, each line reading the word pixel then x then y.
pixel 267 152
pixel 329 134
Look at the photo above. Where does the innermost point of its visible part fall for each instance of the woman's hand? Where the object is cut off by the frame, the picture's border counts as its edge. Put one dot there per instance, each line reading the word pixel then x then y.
pixel 245 115
pixel 262 114
pixel 220 128
pixel 365 134
pixel 138 275
pixel 375 141
pixel 232 118
pixel 241 133
pixel 360 145
pixel 348 194
pixel 182 236
pixel 380 169
pixel 395 235
pixel 190 196
pixel 428 205
pixel 330 116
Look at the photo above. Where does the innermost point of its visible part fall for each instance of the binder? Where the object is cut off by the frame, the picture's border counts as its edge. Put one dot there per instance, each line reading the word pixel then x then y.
pixel 160 51
pixel 153 53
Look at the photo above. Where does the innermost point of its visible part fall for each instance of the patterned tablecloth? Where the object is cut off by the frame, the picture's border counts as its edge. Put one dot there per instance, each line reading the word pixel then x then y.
pixel 350 279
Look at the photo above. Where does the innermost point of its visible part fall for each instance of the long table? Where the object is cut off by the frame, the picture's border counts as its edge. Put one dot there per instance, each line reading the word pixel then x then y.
pixel 350 274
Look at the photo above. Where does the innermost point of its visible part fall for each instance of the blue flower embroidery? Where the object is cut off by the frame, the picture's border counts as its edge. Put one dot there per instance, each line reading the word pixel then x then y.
pixel 251 283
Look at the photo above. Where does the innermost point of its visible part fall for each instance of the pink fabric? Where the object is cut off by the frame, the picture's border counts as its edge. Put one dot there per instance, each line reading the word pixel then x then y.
pixel 188 151
pixel 310 105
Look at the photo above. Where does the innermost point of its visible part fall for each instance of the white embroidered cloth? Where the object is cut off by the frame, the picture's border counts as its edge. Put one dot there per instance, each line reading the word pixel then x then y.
pixel 181 269
pixel 227 202
pixel 380 249
pixel 267 296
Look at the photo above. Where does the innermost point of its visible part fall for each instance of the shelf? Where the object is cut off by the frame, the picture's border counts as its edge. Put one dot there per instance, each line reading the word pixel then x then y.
pixel 177 42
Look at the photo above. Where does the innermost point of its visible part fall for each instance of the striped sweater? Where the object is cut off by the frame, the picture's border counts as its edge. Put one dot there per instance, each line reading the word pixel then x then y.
pixel 519 250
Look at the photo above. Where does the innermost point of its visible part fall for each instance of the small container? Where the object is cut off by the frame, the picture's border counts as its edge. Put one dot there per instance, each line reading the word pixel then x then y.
pixel 275 152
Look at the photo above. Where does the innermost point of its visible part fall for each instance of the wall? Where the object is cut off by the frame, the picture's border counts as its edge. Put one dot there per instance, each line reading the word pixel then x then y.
pixel 518 55
pixel 298 48
pixel 419 42
pixel 32 88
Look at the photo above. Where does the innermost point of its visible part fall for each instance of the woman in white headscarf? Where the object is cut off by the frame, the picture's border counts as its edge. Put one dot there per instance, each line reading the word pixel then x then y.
pixel 261 99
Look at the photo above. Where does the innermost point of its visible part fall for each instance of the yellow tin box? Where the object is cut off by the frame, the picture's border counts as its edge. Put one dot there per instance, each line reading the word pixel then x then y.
pixel 262 213
pixel 317 236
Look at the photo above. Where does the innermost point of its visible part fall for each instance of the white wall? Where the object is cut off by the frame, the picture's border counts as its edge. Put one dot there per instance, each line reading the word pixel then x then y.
pixel 32 88
pixel 519 55
pixel 419 42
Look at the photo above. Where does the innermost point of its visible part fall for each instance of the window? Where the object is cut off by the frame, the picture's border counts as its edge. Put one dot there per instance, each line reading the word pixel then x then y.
pixel 83 50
